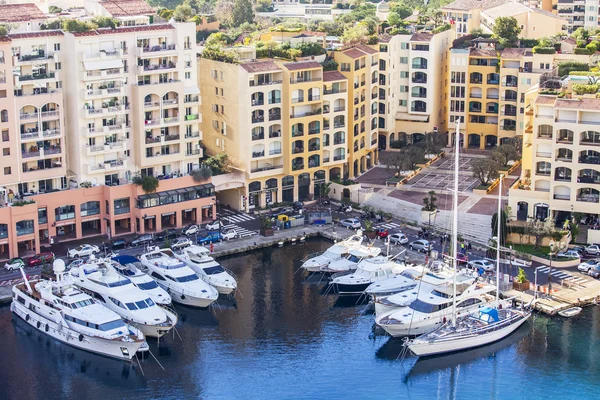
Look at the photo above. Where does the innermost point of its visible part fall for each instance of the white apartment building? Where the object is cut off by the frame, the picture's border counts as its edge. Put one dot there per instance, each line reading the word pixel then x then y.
pixel 133 102
pixel 577 13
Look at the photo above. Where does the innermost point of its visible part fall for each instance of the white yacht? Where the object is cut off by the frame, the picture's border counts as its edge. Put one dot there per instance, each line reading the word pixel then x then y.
pixel 62 311
pixel 350 262
pixel 129 267
pixel 370 270
pixel 433 307
pixel 178 279
pixel 100 280
pixel 198 258
pixel 394 284
pixel 314 262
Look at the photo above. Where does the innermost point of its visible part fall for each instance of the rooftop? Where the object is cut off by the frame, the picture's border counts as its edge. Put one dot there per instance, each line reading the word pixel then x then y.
pixel 513 8
pixel 466 5
pixel 421 37
pixel 385 38
pixel 26 35
pixel 127 8
pixel 366 49
pixel 294 66
pixel 515 52
pixel 354 53
pixel 331 76
pixel 260 66
pixel 545 100
pixel 579 103
pixel 20 12
pixel 483 52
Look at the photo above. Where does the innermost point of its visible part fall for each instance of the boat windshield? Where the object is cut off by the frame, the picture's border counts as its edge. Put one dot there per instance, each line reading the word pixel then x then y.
pixel 427 308
pixel 362 273
pixel 441 294
pixel 214 270
pixel 126 271
pixel 353 258
pixel 123 282
pixel 109 326
pixel 140 305
pixel 82 303
pixel 147 285
pixel 188 278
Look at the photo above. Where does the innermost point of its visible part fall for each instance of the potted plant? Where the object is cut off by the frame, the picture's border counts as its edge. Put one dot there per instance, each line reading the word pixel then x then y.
pixel 369 229
pixel 266 226
pixel 429 210
pixel 521 283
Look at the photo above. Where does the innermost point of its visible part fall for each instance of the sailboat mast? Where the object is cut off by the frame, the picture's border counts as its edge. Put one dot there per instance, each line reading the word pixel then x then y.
pixel 498 224
pixel 455 220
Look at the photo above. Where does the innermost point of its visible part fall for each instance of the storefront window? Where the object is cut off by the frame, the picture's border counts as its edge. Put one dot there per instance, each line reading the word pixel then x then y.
pixel 90 208
pixel 175 196
pixel 121 206
pixel 3 231
pixel 42 215
pixel 64 212
pixel 25 227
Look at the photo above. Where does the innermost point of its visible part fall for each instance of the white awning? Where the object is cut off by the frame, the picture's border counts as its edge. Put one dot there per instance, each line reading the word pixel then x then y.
pixel 191 90
pixel 104 64
pixel 402 116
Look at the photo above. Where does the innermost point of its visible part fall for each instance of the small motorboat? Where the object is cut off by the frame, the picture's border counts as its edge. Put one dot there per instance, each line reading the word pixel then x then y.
pixel 570 312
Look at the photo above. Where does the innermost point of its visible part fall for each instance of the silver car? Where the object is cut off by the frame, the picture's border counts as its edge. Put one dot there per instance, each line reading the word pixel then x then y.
pixel 398 238
pixel 421 245
pixel 351 223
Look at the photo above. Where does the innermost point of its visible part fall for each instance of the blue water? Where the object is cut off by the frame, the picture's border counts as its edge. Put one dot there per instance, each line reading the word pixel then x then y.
pixel 286 340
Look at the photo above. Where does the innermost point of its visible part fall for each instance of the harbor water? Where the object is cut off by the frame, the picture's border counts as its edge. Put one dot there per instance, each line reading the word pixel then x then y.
pixel 284 339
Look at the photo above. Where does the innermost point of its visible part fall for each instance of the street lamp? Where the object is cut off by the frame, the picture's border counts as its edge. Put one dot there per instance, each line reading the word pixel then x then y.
pixel 550 271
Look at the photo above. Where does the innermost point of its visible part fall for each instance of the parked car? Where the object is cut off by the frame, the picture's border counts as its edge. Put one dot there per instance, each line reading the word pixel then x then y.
pixel 142 240
pixel 167 234
pixel 14 263
pixel 593 249
pixel 421 245
pixel 118 244
pixel 398 238
pixel 216 225
pixel 297 205
pixel 75 263
pixel 190 230
pixel 569 254
pixel 351 223
pixel 181 243
pixel 462 258
pixel 381 233
pixel 83 250
pixel 210 237
pixel 229 234
pixel 586 265
pixel 487 265
pixel 41 259
pixel 594 272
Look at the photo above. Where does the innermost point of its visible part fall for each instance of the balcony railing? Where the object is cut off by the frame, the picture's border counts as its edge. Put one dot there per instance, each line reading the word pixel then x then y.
pixel 268 167
pixel 274 134
pixel 264 82
pixel 29 154
pixel 257 119
pixel 543 172
pixel 159 48
pixel 192 135
pixel 274 152
pixel 258 137
pixel 194 152
pixel 274 116
pixel 49 75
pixel 333 91
pixel 419 66
pixel 299 115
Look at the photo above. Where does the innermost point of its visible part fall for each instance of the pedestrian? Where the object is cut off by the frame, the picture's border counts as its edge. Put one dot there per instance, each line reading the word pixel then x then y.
pixel 480 271
pixel 469 246
pixel 212 247
pixel 462 248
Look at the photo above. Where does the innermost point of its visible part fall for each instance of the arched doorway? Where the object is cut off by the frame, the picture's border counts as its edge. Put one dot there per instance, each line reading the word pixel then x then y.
pixel 491 141
pixel 541 211
pixel 382 142
pixel 318 181
pixel 474 141
pixel 355 167
pixel 287 188
pixel 254 194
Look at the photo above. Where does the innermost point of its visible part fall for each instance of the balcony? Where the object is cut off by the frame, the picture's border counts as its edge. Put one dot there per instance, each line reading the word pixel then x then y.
pixel 419 66
pixel 258 119
pixel 104 54
pixel 510 113
pixel 144 69
pixel 94 112
pixel 192 117
pixel 261 82
pixel 161 50
pixel 106 166
pixel 563 178
pixel 298 166
pixel 193 152
pixel 106 73
pixel 373 96
pixel 306 114
pixel 33 58
pixel 103 92
pixel 258 137
pixel 191 135
pixel 162 153
pixel 105 129
pixel 334 91
pixel 34 77
pixel 30 154
pixel 268 167
pixel 509 98
pixel 274 116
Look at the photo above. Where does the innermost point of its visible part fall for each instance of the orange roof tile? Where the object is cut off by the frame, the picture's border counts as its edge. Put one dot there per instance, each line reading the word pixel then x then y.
pixel 302 65
pixel 354 53
pixel 260 66
pixel 127 8
pixel 20 12
pixel 366 49
pixel 330 76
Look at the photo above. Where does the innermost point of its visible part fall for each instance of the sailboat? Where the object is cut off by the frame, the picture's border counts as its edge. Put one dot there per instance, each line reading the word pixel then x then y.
pixel 469 331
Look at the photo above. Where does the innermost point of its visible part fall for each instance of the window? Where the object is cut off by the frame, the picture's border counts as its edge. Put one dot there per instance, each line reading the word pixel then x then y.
pixel 403 46
pixel 403 103
pixel 403 60
pixel 221 91
pixel 188 75
pixel 404 74
pixel 5 135
pixel 7 170
pixel 216 91
pixel 6 151
pixel 56 46
pixel 403 89
pixel 57 66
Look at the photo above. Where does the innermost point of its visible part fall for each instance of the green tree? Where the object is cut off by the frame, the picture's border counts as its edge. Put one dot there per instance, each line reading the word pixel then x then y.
pixel 429 202
pixel 264 6
pixel 148 183
pixel 242 12
pixel 73 25
pixel 507 152
pixel 224 12
pixel 310 49
pixel 503 226
pixel 485 169
pixel 355 35
pixel 106 22
pixel 3 30
pixel 507 30
pixel 183 13
pixel 476 32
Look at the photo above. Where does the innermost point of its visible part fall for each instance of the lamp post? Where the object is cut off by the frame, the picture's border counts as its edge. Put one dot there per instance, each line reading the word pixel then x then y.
pixel 550 270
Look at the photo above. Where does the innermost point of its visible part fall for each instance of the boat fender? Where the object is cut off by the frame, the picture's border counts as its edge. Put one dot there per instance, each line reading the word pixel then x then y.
pixel 182 297
pixel 38 324
pixel 81 338
pixel 47 328
pixel 500 306
pixel 27 318
pixel 444 320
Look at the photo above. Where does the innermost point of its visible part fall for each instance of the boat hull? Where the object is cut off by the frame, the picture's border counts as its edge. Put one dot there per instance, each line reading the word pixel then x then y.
pixel 122 350
pixel 345 289
pixel 431 348
pixel 157 331
pixel 189 300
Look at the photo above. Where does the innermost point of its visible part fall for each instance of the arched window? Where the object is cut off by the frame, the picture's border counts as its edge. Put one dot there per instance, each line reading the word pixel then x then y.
pixel 4 116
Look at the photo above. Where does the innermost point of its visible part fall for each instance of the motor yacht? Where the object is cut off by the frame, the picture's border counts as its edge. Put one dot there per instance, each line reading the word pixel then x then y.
pixel 179 280
pixel 198 258
pixel 131 268
pixel 433 307
pixel 314 262
pixel 62 311
pixel 395 284
pixel 350 262
pixel 370 270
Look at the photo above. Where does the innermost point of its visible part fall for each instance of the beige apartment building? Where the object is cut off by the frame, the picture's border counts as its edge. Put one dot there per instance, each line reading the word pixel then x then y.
pixel 412 85
pixel 560 159
pixel 487 92
pixel 82 113
pixel 283 125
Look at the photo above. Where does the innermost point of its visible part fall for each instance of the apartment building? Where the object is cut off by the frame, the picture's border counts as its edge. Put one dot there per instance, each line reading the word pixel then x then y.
pixel 281 155
pixel 360 66
pixel 412 85
pixel 577 13
pixel 560 174
pixel 82 113
pixel 487 92
pixel 535 22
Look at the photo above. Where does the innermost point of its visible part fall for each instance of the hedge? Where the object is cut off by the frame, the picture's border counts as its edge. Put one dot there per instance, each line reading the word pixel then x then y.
pixel 564 68
pixel 543 50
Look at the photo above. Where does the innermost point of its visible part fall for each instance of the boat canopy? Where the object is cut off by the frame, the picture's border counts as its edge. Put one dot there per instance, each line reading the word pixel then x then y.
pixel 125 259
pixel 488 314
pixel 363 251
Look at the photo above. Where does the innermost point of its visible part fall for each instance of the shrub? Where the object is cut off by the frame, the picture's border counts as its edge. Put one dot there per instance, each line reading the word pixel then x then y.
pixel 54 10
pixel 201 174
pixel 442 28
pixel 148 183
pixel 581 89
pixel 528 43
pixel 582 51
pixel 329 65
pixel 543 50
pixel 85 184
pixel 373 40
pixel 566 67
pixel 22 203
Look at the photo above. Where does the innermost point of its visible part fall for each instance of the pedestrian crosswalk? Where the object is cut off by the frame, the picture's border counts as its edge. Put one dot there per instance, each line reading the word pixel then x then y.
pixel 388 226
pixel 242 232
pixel 561 275
pixel 233 217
